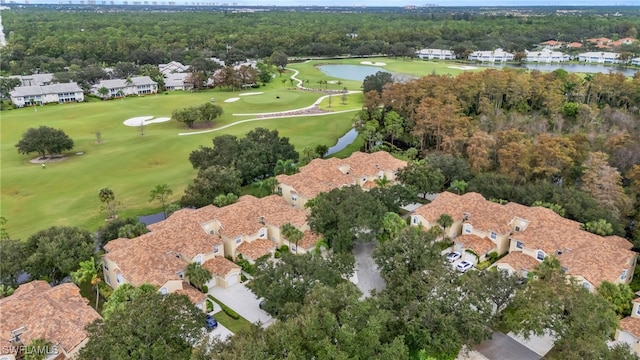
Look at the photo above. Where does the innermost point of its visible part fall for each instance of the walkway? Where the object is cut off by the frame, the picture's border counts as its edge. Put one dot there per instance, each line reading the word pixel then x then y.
pixel 310 110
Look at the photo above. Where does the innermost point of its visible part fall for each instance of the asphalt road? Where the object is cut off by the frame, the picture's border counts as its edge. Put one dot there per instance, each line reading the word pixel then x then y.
pixel 366 269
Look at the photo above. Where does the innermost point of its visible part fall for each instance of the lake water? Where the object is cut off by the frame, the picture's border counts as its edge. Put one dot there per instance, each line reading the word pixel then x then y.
pixel 343 142
pixel 573 68
pixel 350 72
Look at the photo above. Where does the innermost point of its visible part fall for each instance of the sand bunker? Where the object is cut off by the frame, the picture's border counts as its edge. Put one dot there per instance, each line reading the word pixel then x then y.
pixel 251 93
pixel 463 67
pixel 375 63
pixel 144 120
pixel 232 99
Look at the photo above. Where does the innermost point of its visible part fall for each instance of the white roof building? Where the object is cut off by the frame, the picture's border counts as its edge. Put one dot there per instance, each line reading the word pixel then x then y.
pixel 435 54
pixel 497 55
pixel 137 85
pixel 635 61
pixel 177 81
pixel 546 56
pixel 172 67
pixel 40 95
pixel 34 79
pixel 600 57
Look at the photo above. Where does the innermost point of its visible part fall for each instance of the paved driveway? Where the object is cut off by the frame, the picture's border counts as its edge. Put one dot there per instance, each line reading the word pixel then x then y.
pixel 503 347
pixel 367 272
pixel 241 300
pixel 220 332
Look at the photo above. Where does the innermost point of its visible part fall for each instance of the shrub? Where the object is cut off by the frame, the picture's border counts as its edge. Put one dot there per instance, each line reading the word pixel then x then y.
pixel 227 310
pixel 104 290
pixel 205 289
pixel 243 278
pixel 493 256
pixel 284 248
pixel 277 254
pixel 483 265
pixel 209 306
pixel 442 245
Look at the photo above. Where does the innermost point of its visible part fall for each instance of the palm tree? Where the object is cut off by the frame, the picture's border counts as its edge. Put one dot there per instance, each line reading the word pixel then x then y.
pixel 292 234
pixel 160 193
pixel 382 182
pixel 284 167
pixel 88 271
pixel 459 186
pixel 108 200
pixel 198 276
pixel 267 186
pixel 445 220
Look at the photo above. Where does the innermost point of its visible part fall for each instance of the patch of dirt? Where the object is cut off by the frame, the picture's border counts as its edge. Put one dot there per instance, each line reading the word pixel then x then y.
pixel 309 111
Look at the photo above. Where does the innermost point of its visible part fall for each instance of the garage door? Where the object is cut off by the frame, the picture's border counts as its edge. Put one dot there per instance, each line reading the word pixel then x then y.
pixel 232 280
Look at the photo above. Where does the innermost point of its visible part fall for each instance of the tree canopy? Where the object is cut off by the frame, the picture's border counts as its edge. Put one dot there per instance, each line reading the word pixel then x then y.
pixel 210 183
pixel 255 156
pixel 44 140
pixel 153 326
pixel 56 252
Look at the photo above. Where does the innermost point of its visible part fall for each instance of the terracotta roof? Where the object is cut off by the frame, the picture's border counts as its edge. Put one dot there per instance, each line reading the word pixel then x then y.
pixel 255 249
pixel 57 314
pixel 192 293
pixel 574 45
pixel 519 261
pixel 309 240
pixel 619 242
pixel 141 262
pixel 552 42
pixel 323 175
pixel 479 245
pixel 631 325
pixel 591 256
pixel 220 266
pixel 483 214
pixel 116 244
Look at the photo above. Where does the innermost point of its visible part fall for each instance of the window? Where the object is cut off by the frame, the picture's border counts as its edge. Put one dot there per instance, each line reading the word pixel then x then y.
pixel 198 259
pixel 107 280
pixel 238 239
pixel 540 255
pixel 263 233
pixel 519 244
pixel 294 197
pixel 415 220
pixel 293 248
pixel 119 278
pixel 638 310
pixel 468 228
pixel 517 228
pixel 216 249
pixel 180 274
pixel 364 179
pixel 164 291
pixel 106 267
pixel 493 235
pixel 586 285
pixel 623 275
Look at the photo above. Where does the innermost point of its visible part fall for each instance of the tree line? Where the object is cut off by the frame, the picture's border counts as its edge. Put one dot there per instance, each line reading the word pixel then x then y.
pixel 62 39
pixel 524 129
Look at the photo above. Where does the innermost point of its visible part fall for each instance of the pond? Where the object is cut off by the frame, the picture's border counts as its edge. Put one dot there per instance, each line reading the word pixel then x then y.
pixel 343 142
pixel 350 72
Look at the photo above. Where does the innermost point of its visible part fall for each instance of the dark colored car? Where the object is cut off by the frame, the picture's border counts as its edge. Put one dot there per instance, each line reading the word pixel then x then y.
pixel 211 322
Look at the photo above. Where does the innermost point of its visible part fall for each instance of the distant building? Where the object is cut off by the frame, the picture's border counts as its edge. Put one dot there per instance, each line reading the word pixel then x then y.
pixel 177 81
pixel 40 95
pixel 173 67
pixel 34 79
pixel 623 41
pixel 137 85
pixel 552 44
pixel 635 61
pixel 435 54
pixel 546 56
pixel 600 57
pixel 574 45
pixel 497 55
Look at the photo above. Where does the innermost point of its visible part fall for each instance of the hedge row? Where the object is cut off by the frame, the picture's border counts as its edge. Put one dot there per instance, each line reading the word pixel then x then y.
pixel 227 310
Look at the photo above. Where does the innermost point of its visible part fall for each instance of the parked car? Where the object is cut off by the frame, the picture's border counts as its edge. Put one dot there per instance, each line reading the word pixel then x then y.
pixel 453 256
pixel 464 265
pixel 211 322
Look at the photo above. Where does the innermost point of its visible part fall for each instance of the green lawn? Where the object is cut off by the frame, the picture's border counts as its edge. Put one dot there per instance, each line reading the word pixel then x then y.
pixel 232 324
pixel 65 193
pixel 131 164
